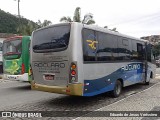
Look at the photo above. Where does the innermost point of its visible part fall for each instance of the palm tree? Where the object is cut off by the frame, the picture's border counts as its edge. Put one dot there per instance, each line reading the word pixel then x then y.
pixel 45 23
pixel 77 16
pixel 88 18
pixel 113 29
pixel 65 19
pixel 27 29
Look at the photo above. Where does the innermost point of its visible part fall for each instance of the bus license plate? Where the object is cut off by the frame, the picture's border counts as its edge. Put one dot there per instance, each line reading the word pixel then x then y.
pixel 49 77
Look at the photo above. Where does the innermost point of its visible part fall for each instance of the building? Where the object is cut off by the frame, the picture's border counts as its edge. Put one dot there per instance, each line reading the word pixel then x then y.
pixel 153 39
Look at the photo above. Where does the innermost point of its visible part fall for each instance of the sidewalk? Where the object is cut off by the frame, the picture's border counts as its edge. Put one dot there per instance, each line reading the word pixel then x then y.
pixel 147 100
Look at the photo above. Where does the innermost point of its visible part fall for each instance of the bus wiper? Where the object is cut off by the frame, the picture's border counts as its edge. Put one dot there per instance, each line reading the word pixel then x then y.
pixel 50 45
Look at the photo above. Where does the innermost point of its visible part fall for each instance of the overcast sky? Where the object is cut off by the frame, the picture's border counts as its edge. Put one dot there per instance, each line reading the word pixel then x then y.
pixel 132 17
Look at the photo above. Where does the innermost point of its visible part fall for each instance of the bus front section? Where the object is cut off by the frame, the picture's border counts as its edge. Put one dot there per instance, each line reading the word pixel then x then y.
pixel 14 66
pixel 51 61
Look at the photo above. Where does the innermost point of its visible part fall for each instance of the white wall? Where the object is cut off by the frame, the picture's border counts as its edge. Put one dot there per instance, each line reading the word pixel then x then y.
pixel 1 40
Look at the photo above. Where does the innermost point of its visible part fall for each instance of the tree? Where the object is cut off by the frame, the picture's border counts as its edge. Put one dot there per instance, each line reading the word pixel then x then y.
pixel 88 18
pixel 11 24
pixel 27 29
pixel 45 23
pixel 66 19
pixel 156 50
pixel 113 29
pixel 77 17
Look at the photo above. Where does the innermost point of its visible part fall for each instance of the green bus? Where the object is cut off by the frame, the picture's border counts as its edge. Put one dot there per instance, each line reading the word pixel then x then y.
pixel 16 58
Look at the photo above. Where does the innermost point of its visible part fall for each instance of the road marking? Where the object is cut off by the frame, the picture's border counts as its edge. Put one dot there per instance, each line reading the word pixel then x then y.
pixel 119 100
pixel 130 93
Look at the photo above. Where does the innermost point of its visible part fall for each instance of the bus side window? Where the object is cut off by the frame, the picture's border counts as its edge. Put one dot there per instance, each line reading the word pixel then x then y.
pixel 124 52
pixel 89 45
pixel 149 53
pixel 141 52
pixel 107 47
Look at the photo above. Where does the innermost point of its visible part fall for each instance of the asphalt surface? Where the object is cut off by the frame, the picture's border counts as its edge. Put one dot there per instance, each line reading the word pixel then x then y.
pixel 17 96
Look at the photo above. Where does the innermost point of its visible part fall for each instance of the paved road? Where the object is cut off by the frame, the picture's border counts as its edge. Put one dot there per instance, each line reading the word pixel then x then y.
pixel 158 71
pixel 13 93
pixel 18 96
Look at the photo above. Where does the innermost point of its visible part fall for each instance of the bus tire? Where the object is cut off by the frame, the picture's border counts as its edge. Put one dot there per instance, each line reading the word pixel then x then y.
pixel 147 83
pixel 117 89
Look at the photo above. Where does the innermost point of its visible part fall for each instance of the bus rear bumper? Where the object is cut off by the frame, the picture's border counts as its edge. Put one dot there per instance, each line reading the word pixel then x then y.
pixel 23 77
pixel 71 89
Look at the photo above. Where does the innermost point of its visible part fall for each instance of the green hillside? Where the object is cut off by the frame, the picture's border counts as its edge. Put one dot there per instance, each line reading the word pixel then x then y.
pixel 9 23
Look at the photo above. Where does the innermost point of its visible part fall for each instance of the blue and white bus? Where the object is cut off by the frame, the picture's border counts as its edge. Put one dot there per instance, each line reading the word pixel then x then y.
pixel 86 60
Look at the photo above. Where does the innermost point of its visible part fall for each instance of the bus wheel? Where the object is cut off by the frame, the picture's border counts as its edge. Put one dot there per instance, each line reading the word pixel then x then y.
pixel 117 89
pixel 147 83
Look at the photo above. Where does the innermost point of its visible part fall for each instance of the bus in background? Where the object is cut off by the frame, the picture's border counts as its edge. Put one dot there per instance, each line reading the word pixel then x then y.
pixel 1 59
pixel 16 58
pixel 87 60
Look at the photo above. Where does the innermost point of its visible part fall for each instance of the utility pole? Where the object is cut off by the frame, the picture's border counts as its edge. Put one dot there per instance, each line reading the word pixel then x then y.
pixel 18 8
pixel 19 16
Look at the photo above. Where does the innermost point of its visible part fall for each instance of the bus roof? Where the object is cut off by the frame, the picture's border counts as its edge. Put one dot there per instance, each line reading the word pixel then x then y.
pixel 101 29
pixel 95 27
pixel 15 37
pixel 53 26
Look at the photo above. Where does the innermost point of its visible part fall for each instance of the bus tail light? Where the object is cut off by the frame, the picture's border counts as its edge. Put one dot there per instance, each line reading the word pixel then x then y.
pixel 23 69
pixel 73 73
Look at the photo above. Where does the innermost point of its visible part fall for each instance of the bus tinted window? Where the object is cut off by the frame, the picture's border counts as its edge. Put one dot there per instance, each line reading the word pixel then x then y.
pixel 89 45
pixel 12 47
pixel 124 52
pixel 140 51
pixel 51 39
pixel 137 51
pixel 107 47
pixel 150 56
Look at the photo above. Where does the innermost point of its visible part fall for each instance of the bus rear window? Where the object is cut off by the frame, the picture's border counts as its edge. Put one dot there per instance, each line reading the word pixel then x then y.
pixel 12 47
pixel 51 39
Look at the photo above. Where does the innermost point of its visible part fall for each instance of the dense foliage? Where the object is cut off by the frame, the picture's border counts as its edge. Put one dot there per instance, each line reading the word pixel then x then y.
pixel 10 23
pixel 156 50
